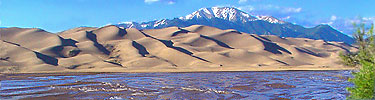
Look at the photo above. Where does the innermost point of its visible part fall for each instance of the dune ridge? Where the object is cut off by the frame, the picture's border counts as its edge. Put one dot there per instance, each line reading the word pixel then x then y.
pixel 173 49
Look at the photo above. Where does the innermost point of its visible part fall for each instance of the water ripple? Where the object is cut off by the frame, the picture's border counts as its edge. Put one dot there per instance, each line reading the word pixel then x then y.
pixel 207 85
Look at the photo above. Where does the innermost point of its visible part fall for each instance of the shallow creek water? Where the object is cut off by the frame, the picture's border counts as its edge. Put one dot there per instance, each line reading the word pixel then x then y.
pixel 199 85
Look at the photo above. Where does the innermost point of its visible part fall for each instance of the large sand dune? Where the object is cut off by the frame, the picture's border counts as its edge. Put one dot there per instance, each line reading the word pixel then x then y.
pixel 173 49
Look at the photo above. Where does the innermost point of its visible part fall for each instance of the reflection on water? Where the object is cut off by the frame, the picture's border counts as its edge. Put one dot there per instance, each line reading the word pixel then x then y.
pixel 205 85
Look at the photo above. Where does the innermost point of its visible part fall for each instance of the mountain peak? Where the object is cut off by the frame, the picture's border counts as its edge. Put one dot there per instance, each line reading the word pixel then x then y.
pixel 233 18
pixel 226 13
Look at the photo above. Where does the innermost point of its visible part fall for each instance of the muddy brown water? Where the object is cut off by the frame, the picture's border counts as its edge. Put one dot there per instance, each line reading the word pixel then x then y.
pixel 283 85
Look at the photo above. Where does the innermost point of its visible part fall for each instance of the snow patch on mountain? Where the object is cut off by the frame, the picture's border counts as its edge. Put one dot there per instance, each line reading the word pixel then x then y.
pixel 128 24
pixel 226 13
pixel 270 19
pixel 161 22
pixel 232 18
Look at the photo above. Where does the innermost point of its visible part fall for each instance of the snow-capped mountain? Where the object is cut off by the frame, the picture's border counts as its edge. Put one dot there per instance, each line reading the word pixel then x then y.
pixel 233 18
pixel 129 24
pixel 226 13
pixel 144 25
pixel 270 19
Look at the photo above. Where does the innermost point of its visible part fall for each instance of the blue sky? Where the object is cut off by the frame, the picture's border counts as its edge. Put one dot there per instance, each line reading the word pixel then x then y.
pixel 59 15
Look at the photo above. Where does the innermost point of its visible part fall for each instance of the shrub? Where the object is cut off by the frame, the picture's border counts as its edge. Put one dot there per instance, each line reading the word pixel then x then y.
pixel 349 59
pixel 364 80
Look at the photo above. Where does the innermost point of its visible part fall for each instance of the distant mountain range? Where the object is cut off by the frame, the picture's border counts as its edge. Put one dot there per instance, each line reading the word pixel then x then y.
pixel 232 18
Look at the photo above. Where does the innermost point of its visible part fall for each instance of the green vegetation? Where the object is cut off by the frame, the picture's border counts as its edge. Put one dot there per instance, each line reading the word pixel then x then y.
pixel 350 59
pixel 364 80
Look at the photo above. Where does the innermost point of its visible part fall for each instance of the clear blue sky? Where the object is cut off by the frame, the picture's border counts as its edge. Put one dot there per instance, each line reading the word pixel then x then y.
pixel 59 15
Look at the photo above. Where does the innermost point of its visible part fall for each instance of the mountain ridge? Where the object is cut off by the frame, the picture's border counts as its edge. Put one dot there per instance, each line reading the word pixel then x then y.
pixel 233 18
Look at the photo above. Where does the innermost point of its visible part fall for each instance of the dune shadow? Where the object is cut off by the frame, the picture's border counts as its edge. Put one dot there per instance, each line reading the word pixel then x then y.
pixel 217 42
pixel 282 62
pixel 228 32
pixel 122 32
pixel 304 50
pixel 147 35
pixel 180 31
pixel 234 31
pixel 346 44
pixel 5 58
pixel 326 43
pixel 141 49
pixel 272 47
pixel 12 43
pixel 68 42
pixel 169 44
pixel 56 50
pixel 46 59
pixel 91 36
pixel 164 60
pixel 264 38
pixel 114 63
pixel 64 42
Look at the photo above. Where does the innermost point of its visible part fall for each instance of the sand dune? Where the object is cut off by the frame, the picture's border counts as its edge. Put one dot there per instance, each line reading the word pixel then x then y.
pixel 173 49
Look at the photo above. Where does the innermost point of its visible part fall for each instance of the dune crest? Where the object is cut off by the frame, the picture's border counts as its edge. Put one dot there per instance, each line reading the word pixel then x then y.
pixel 173 49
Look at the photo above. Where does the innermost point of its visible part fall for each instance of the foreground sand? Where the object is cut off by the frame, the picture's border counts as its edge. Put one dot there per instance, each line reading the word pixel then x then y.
pixel 190 49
